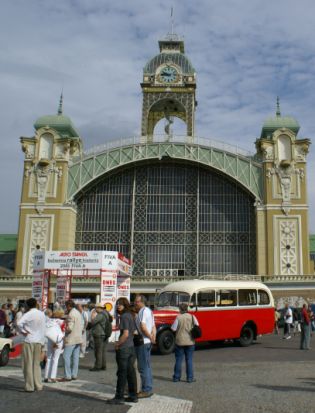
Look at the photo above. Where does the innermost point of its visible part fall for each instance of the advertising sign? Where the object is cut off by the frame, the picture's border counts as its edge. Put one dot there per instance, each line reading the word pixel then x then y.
pixel 73 260
pixel 38 260
pixel 109 290
pixel 63 289
pixel 114 269
pixel 40 288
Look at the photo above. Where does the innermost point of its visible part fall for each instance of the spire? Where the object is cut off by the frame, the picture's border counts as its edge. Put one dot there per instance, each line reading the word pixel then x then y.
pixel 172 22
pixel 278 113
pixel 60 108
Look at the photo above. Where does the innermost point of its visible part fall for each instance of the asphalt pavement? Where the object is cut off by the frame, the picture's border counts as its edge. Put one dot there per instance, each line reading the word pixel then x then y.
pixel 271 376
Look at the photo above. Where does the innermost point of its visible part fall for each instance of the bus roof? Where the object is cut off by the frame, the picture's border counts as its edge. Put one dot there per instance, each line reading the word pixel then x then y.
pixel 192 286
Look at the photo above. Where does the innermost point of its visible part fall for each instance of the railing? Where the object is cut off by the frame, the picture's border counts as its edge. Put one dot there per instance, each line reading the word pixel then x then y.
pixel 169 278
pixel 193 140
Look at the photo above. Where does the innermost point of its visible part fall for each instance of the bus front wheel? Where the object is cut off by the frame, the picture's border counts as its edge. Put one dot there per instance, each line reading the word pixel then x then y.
pixel 166 342
pixel 247 336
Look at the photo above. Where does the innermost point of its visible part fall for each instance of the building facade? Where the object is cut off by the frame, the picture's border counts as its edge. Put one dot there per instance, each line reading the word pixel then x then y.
pixel 177 206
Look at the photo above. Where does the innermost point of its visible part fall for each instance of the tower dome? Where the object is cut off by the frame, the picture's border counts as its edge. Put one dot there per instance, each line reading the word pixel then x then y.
pixel 277 122
pixel 171 51
pixel 61 123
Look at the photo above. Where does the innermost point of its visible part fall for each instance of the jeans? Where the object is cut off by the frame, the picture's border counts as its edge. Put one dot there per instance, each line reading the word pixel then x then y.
pixel 180 351
pixel 144 366
pixel 305 336
pixel 71 352
pixel 125 359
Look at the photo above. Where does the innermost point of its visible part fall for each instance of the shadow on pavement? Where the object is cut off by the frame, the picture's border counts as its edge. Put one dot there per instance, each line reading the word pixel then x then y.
pixel 284 388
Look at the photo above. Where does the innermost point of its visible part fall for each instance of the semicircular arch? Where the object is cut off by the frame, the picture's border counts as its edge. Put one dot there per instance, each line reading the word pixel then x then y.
pixel 239 168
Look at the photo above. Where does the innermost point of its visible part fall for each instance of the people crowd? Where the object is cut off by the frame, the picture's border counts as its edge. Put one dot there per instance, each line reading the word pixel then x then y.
pixel 296 322
pixel 69 330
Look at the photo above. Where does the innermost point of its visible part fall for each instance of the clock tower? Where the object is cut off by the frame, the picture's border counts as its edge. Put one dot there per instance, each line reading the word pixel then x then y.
pixel 169 89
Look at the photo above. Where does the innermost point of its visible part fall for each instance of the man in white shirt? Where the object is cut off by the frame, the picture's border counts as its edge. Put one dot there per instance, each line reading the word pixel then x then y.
pixel 288 320
pixel 32 326
pixel 146 326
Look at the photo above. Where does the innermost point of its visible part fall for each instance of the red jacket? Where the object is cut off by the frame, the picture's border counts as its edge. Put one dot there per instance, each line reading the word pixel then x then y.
pixel 305 316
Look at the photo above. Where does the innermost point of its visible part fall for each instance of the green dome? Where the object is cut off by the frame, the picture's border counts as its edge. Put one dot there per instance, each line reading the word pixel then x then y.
pixel 60 123
pixel 278 122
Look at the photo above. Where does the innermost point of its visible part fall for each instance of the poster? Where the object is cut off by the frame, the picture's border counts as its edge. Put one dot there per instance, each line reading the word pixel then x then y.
pixel 63 289
pixel 40 288
pixel 109 290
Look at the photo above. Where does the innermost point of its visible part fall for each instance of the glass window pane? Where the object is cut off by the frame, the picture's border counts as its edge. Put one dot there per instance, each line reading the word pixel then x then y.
pixel 206 298
pixel 227 298
pixel 247 297
pixel 263 297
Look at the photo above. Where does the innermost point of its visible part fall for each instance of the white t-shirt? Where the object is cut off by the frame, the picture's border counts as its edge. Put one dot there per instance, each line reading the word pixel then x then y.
pixel 145 316
pixel 33 323
pixel 288 316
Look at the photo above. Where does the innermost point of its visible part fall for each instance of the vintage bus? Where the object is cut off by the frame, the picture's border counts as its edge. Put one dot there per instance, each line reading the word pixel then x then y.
pixel 236 310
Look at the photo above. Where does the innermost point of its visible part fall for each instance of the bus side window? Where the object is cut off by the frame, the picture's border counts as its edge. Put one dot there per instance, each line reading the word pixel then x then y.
pixel 263 297
pixel 206 298
pixel 193 302
pixel 227 298
pixel 247 297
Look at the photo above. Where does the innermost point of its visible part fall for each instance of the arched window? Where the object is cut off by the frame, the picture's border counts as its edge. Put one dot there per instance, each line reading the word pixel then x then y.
pixel 46 146
pixel 284 148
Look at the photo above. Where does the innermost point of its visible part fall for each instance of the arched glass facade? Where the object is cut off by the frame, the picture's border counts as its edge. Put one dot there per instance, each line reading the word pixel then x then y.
pixel 171 219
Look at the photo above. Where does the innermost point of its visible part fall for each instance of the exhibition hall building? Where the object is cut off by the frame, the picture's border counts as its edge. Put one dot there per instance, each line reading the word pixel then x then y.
pixel 179 207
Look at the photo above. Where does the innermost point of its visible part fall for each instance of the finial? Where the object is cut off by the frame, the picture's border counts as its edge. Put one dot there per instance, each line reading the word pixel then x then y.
pixel 60 108
pixel 278 113
pixel 172 22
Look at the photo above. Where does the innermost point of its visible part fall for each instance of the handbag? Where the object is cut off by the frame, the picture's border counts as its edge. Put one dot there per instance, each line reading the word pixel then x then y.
pixel 196 330
pixel 137 337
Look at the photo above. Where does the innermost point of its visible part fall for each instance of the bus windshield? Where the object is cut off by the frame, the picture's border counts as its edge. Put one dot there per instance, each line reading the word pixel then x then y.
pixel 172 299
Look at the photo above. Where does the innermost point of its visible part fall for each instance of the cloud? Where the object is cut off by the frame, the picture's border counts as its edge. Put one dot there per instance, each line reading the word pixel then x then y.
pixel 244 53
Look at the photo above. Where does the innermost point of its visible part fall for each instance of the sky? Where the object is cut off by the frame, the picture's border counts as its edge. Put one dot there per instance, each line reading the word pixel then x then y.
pixel 245 53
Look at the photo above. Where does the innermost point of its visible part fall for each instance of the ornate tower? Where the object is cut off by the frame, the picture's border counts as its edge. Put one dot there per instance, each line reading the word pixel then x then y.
pixel 282 221
pixel 46 220
pixel 169 85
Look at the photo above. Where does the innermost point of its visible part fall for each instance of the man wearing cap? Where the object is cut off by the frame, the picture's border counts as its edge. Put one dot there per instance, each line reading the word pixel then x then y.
pixel 98 331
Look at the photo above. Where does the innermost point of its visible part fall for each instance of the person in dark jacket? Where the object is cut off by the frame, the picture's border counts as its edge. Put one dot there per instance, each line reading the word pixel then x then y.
pixel 98 331
pixel 125 355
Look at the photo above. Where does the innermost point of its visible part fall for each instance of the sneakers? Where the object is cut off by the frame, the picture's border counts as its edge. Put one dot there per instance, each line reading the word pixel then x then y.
pixel 288 338
pixel 144 394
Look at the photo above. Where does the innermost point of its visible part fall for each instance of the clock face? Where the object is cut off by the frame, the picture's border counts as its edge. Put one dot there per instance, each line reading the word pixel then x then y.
pixel 168 74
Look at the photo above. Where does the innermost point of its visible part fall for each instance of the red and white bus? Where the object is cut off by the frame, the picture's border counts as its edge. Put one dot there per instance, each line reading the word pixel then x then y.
pixel 237 310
